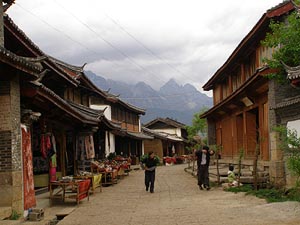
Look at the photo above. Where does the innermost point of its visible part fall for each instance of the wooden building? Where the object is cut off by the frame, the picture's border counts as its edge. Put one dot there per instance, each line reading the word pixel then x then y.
pixel 48 120
pixel 169 137
pixel 45 125
pixel 121 133
pixel 243 115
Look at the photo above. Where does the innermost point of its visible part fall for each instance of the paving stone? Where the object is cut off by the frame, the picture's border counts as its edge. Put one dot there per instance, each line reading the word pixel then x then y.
pixel 177 201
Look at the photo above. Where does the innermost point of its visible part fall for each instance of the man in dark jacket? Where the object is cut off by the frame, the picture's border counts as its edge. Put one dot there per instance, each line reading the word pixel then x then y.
pixel 149 164
pixel 203 159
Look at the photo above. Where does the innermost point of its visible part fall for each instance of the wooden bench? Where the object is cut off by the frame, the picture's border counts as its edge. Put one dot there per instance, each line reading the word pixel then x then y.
pixel 76 189
pixel 96 181
pixel 82 191
pixel 108 177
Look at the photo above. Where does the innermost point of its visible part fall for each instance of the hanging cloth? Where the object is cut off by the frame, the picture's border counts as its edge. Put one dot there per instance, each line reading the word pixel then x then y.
pixel 89 147
pixel 53 161
pixel 28 182
pixel 53 143
pixel 173 150
pixel 81 148
pixel 49 147
pixel 46 146
pixel 43 146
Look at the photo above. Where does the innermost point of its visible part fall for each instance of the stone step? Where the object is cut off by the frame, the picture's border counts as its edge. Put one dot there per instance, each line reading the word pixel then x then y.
pixel 243 179
pixel 5 212
pixel 63 213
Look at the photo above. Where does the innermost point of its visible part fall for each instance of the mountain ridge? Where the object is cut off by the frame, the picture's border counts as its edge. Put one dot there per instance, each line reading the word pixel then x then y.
pixel 179 102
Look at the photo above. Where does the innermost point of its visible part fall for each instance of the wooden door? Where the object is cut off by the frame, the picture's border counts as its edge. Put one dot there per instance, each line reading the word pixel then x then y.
pixel 239 133
pixel 265 133
pixel 227 137
pixel 251 132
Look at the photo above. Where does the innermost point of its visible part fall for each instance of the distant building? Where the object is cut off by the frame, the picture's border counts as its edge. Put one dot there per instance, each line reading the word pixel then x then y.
pixel 170 137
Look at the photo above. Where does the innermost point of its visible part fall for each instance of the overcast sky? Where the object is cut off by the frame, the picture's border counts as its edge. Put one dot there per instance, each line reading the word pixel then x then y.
pixel 141 40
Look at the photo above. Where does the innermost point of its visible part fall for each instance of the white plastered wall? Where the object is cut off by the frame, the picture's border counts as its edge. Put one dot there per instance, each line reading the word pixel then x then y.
pixel 107 112
pixel 109 143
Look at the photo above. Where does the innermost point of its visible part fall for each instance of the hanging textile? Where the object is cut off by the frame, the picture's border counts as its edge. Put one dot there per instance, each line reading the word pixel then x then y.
pixel 28 182
pixel 81 148
pixel 46 146
pixel 53 143
pixel 173 150
pixel 43 146
pixel 53 161
pixel 89 147
pixel 52 170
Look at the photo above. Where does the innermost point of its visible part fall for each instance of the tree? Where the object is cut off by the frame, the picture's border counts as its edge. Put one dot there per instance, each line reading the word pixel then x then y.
pixel 285 38
pixel 197 133
pixel 199 126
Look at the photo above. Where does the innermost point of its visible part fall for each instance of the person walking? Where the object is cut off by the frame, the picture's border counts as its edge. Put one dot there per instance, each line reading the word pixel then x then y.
pixel 203 159
pixel 149 165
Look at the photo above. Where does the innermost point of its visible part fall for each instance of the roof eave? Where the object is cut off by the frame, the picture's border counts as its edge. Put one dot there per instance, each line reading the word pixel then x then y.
pixel 260 72
pixel 279 10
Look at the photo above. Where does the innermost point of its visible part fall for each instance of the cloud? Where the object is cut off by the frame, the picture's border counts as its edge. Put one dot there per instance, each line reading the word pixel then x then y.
pixel 188 40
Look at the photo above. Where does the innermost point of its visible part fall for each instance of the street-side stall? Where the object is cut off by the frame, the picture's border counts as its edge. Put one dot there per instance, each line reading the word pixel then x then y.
pixel 85 154
pixel 43 151
pixel 54 138
pixel 69 188
pixel 112 168
pixel 130 145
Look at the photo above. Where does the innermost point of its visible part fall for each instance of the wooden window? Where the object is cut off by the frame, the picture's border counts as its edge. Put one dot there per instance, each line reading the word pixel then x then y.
pixel 217 94
pixel 119 115
pixel 236 79
pixel 130 118
pixel 66 95
pixel 239 78
pixel 225 89
pixel 85 100
pixel 77 97
pixel 69 94
pixel 264 53
pixel 250 66
pixel 234 82
pixel 114 113
pixel 122 115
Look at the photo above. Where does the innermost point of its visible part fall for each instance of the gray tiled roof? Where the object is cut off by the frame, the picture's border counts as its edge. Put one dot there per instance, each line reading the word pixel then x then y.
pixel 292 72
pixel 162 135
pixel 287 102
pixel 12 58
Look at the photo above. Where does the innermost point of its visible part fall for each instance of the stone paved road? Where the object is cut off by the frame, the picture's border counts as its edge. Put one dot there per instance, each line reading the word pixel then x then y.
pixel 177 200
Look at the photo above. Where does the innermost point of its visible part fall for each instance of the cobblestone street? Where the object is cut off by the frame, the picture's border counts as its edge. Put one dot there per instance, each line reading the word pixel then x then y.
pixel 177 200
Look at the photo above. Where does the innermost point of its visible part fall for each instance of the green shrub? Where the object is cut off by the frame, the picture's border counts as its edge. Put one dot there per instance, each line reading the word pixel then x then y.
pixel 14 215
pixel 271 195
pixel 244 188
